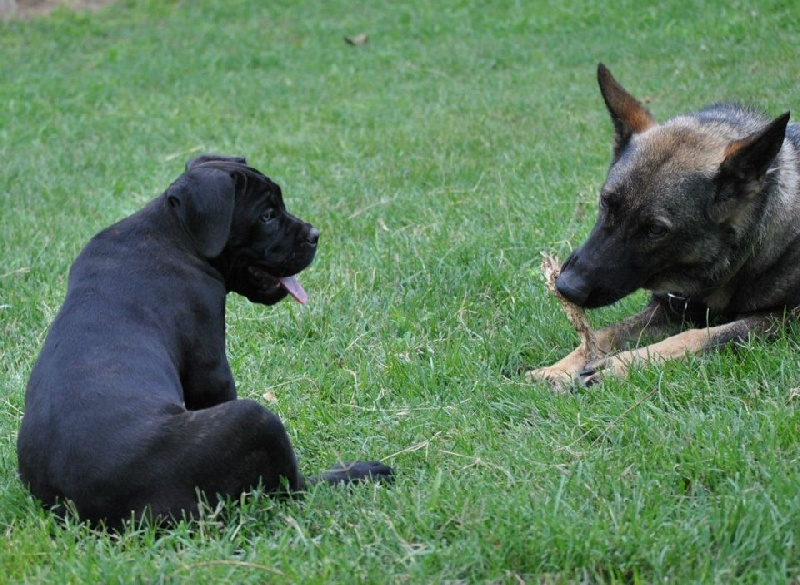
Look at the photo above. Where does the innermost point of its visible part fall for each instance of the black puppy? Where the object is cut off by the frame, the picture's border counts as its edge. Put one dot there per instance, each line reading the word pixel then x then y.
pixel 131 407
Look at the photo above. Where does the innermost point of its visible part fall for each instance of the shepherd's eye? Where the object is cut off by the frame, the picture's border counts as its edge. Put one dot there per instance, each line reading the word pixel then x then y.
pixel 656 230
pixel 268 215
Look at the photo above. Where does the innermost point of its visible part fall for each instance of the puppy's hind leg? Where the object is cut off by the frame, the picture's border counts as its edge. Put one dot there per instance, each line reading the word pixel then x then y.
pixel 229 449
pixel 221 451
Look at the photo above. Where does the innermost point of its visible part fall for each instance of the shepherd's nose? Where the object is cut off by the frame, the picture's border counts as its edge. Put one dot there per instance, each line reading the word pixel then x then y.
pixel 572 287
pixel 313 236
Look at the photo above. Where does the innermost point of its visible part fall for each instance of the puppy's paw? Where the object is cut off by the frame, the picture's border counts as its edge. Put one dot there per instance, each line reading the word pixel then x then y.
pixel 357 472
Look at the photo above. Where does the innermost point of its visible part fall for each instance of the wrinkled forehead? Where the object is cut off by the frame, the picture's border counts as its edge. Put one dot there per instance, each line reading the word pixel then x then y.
pixel 255 184
pixel 675 151
pixel 250 182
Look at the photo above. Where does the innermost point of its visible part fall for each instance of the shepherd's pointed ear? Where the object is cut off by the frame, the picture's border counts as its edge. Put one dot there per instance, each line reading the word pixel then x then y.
pixel 749 158
pixel 743 171
pixel 203 199
pixel 627 113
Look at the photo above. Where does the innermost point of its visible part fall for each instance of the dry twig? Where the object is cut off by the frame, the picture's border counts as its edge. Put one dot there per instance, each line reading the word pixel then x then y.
pixel 575 314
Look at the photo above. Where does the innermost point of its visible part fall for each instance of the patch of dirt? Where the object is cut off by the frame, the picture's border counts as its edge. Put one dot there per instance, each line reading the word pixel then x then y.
pixel 32 8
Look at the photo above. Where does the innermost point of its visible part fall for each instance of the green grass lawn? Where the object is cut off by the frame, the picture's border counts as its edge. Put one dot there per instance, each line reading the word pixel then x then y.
pixel 438 160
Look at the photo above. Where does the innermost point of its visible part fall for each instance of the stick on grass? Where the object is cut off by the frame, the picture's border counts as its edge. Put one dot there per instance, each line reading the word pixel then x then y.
pixel 576 315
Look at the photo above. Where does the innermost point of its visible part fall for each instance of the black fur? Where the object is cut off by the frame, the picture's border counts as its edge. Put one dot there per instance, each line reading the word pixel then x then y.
pixel 131 406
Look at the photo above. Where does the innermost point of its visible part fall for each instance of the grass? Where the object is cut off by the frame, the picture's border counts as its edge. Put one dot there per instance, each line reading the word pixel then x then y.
pixel 438 160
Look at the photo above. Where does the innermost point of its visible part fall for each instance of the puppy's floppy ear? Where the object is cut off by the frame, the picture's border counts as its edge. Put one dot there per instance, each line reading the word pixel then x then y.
pixel 627 113
pixel 744 170
pixel 203 199
pixel 204 158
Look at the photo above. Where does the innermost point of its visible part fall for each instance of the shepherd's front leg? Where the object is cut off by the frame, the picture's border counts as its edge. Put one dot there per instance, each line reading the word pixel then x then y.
pixel 690 342
pixel 572 368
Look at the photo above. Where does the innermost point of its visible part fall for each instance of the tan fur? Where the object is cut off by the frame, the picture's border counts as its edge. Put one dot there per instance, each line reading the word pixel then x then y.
pixel 702 211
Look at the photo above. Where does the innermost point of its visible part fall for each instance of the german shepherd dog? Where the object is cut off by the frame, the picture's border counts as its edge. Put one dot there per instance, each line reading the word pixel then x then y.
pixel 703 211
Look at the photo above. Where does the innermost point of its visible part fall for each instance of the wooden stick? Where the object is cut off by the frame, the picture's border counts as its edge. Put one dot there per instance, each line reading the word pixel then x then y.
pixel 550 268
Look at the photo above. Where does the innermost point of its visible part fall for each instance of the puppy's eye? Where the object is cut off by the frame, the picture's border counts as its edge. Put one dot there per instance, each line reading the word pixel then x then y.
pixel 268 216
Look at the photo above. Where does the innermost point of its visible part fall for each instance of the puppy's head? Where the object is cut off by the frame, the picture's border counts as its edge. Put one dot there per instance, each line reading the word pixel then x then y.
pixel 236 218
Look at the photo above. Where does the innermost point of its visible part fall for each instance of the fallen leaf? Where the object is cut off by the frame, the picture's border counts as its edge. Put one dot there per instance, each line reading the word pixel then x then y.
pixel 357 40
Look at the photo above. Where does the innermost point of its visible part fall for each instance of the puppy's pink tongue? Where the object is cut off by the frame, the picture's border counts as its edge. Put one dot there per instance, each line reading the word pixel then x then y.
pixel 294 288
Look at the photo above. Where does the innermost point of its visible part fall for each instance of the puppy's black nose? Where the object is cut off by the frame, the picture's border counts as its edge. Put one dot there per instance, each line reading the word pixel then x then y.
pixel 312 236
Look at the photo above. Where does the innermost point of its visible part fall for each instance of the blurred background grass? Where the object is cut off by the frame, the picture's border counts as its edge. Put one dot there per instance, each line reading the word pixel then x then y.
pixel 438 160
